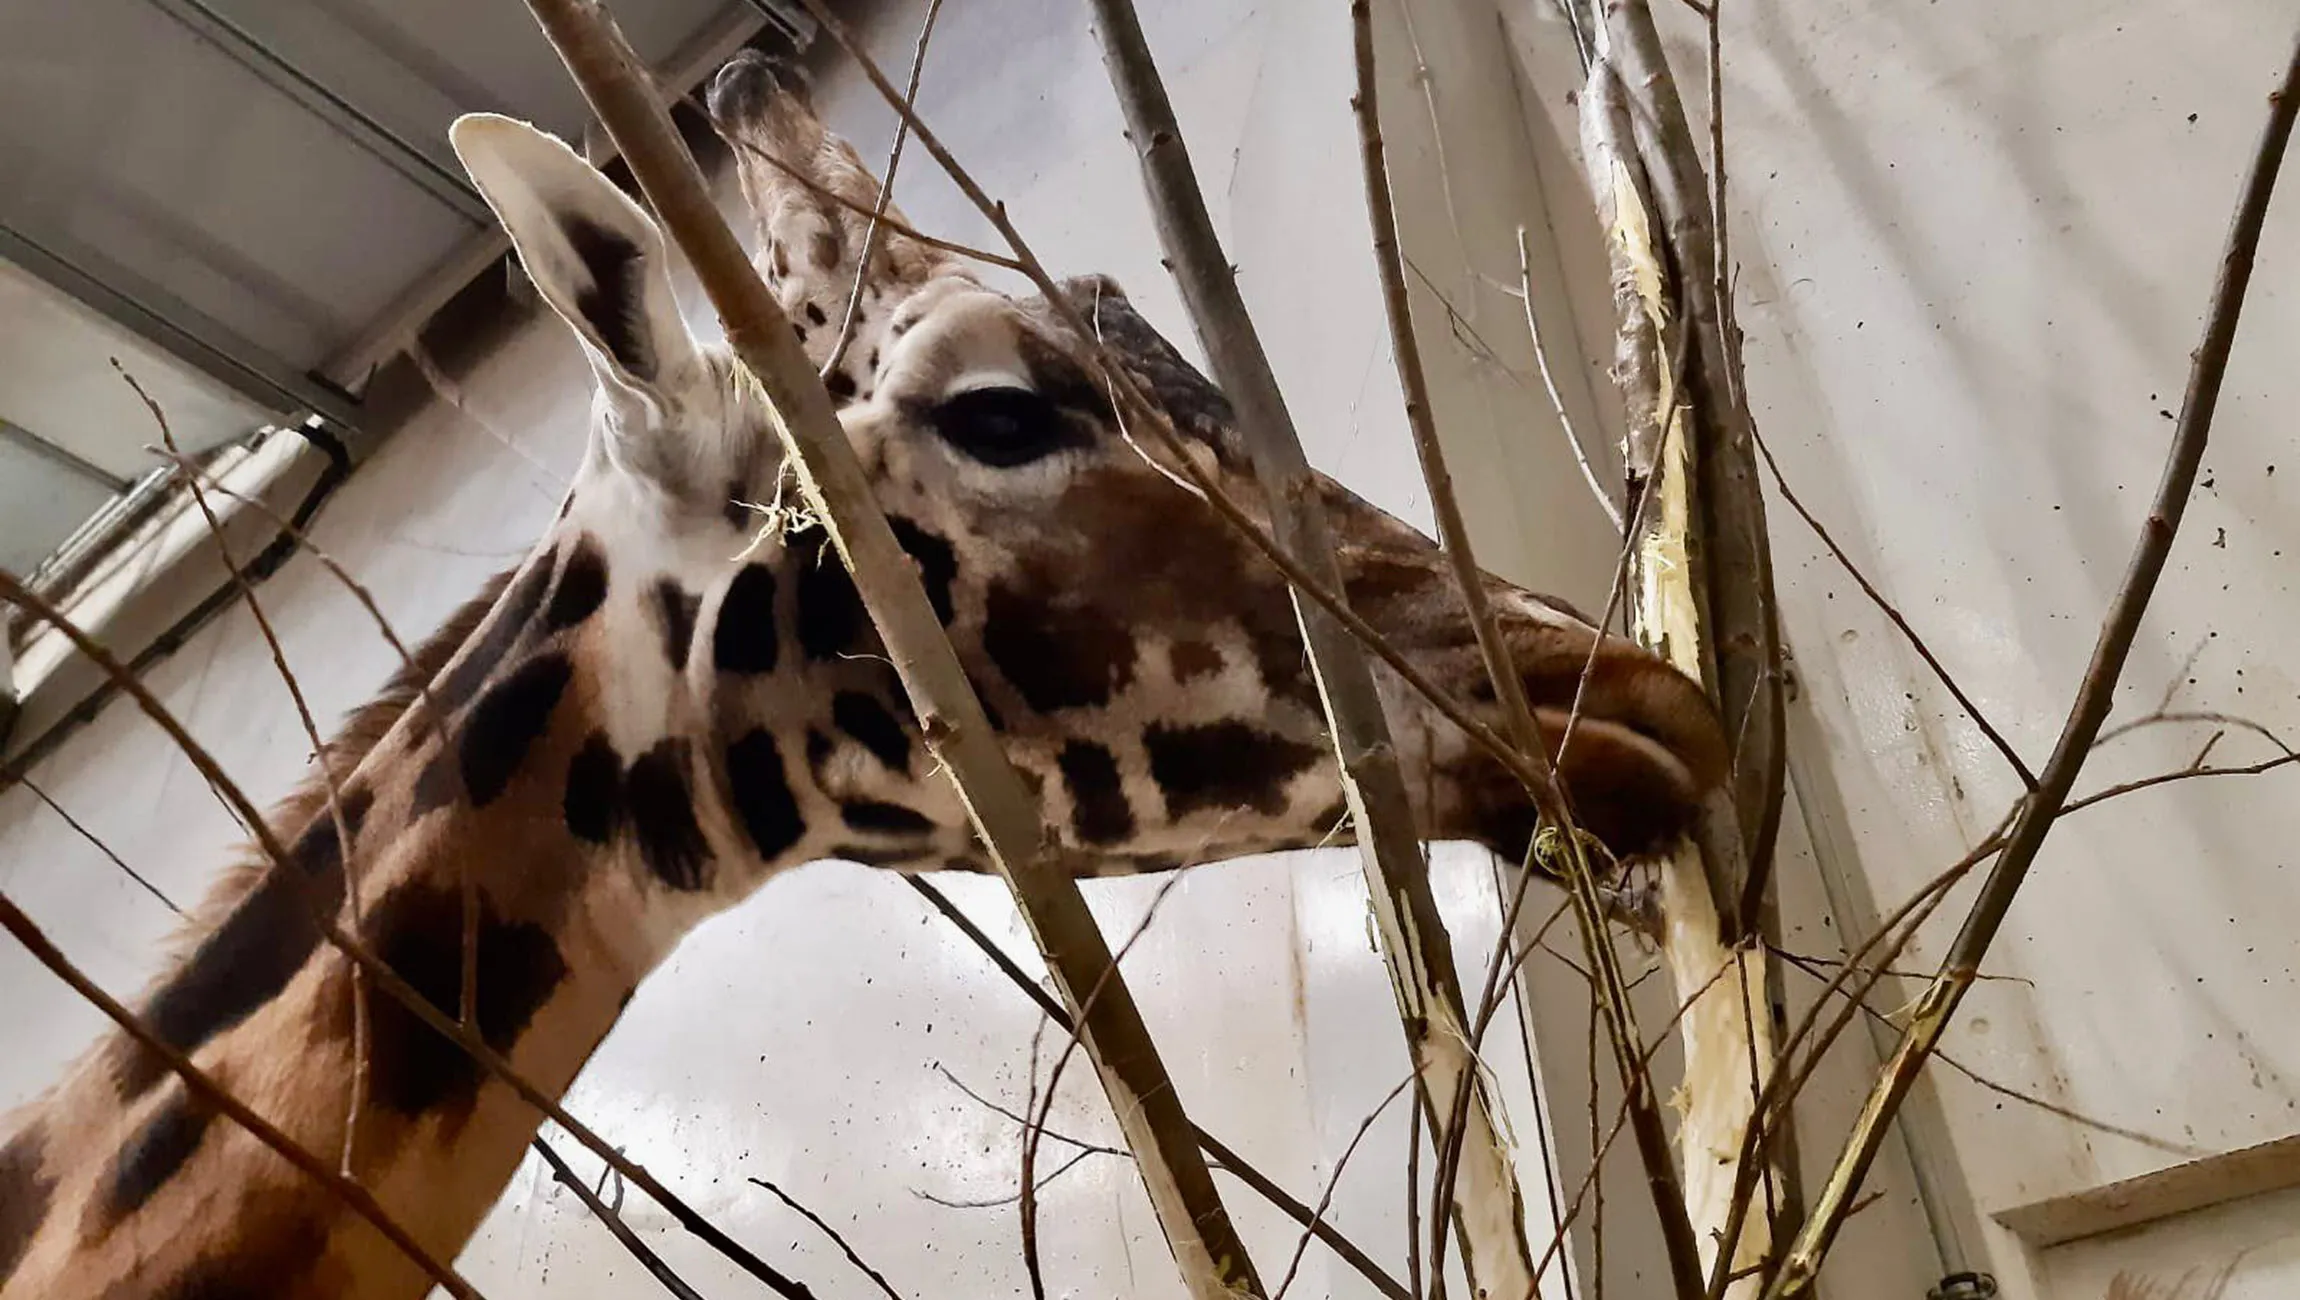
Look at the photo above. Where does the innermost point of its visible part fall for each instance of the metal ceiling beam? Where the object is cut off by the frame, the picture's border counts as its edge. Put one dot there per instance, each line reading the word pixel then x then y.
pixel 63 458
pixel 431 173
pixel 179 329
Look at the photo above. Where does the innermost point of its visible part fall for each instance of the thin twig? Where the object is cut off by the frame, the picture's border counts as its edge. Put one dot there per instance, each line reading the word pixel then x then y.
pixel 853 313
pixel 1230 1161
pixel 1549 385
pixel 1893 613
pixel 1517 713
pixel 208 1092
pixel 2094 697
pixel 1814 967
pixel 836 1239
pixel 613 1221
pixel 101 847
pixel 1334 1180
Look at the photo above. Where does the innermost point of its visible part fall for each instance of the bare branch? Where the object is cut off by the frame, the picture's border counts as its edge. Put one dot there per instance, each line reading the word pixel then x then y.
pixel 101 847
pixel 1230 1161
pixel 827 1230
pixel 853 313
pixel 622 1231
pixel 2094 696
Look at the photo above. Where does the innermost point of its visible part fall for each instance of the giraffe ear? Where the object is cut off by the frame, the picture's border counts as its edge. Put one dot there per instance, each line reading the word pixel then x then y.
pixel 594 255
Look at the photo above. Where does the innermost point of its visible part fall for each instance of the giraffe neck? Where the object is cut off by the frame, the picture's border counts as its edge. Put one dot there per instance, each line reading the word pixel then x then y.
pixel 598 809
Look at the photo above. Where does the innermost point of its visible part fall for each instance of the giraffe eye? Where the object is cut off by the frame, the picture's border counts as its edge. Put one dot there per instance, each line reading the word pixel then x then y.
pixel 1003 427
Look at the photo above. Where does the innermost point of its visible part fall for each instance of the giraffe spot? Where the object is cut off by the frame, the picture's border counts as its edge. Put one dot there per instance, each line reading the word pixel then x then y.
pixel 815 315
pixel 158 1151
pixel 744 640
pixel 26 1189
pixel 884 818
pixel 1099 811
pixel 241 965
pixel 937 563
pixel 610 303
pixel 761 790
pixel 831 614
pixel 869 723
pixel 662 811
pixel 318 850
pixel 593 803
pixel 869 856
pixel 779 260
pixel 272 1252
pixel 675 611
pixel 819 750
pixel 824 250
pixel 506 722
pixel 582 588
pixel 1224 765
pixel 1193 660
pixel 1056 657
pixel 872 364
pixel 436 786
pixel 417 931
pixel 841 384
pixel 503 630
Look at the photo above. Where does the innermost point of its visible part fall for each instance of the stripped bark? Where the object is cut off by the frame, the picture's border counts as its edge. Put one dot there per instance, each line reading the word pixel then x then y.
pixel 1213 1261
pixel 1722 981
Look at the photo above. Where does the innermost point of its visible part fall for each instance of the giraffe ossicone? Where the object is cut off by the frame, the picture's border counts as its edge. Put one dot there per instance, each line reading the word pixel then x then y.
pixel 639 730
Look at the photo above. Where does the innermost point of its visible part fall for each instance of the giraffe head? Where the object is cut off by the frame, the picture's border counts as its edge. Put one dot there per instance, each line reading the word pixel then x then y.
pixel 1141 660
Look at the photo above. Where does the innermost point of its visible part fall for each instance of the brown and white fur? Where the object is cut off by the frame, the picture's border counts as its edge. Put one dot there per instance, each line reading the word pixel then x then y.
pixel 641 730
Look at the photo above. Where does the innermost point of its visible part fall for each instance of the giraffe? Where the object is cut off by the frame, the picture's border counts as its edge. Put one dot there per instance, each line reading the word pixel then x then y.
pixel 664 705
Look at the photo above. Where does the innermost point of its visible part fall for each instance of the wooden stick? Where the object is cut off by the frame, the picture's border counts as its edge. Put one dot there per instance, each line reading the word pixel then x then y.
pixel 2094 695
pixel 1206 1246
pixel 1414 939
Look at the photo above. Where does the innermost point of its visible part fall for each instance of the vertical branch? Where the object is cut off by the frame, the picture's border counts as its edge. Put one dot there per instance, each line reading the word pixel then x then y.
pixel 1489 1212
pixel 1673 435
pixel 1206 1246
pixel 2095 693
